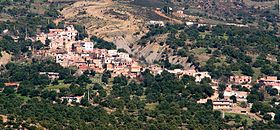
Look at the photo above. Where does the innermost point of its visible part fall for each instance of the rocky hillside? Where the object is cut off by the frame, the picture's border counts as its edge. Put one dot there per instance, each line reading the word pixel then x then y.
pixel 112 21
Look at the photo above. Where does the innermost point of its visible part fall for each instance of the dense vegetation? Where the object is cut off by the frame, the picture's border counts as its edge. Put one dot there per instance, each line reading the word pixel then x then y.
pixel 158 102
pixel 230 49
pixel 102 44
pixel 20 47
pixel 235 11
pixel 25 17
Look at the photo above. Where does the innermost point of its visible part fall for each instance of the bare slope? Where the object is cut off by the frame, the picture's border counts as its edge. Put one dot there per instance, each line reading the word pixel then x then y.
pixel 107 19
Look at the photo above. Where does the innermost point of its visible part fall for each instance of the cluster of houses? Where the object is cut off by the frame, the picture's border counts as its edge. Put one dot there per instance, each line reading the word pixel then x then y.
pixel 245 82
pixel 51 75
pixel 68 52
pixel 72 99
pixel 226 103
pixel 157 23
pixel 180 72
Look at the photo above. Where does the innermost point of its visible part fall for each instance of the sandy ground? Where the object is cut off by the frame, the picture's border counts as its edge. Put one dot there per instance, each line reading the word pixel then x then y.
pixel 238 109
pixel 6 57
pixel 5 118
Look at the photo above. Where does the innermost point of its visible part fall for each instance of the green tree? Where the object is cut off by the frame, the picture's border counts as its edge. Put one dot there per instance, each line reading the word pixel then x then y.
pixel 55 82
pixel 105 77
pixel 247 70
pixel 216 53
pixel 182 52
pixel 102 44
pixel 82 32
pixel 243 104
pixel 83 79
pixel 9 90
pixel 38 45
pixel 209 104
pixel 252 98
pixel 267 69
pixel 273 92
pixel 256 107
pixel 85 102
pixel 267 117
pixel 233 98
pixel 2 85
pixel 277 118
pixel 121 80
pixel 221 87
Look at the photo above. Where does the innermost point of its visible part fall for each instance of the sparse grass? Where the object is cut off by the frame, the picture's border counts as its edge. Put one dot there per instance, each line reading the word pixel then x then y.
pixel 242 116
pixel 60 86
pixel 25 98
pixel 96 79
pixel 60 81
pixel 203 63
pixel 202 58
pixel 257 73
pixel 222 61
pixel 151 106
pixel 225 37
pixel 142 98
pixel 237 72
pixel 198 51
pixel 203 34
pixel 5 17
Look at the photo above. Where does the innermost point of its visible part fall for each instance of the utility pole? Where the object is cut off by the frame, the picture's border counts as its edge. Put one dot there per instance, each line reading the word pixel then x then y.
pixel 78 36
pixel 85 29
pixel 14 28
pixel 26 33
pixel 171 10
pixel 88 94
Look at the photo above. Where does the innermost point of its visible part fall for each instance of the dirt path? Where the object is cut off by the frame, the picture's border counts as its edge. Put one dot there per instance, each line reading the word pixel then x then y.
pixel 172 19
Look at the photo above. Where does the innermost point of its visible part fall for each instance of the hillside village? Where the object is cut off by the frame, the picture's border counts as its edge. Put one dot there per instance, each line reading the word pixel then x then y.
pixel 67 51
pixel 139 64
pixel 82 54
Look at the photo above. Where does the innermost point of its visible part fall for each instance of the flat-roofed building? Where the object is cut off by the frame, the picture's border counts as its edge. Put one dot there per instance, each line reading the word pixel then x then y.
pixel 201 75
pixel 222 104
pixel 240 79
pixel 51 75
